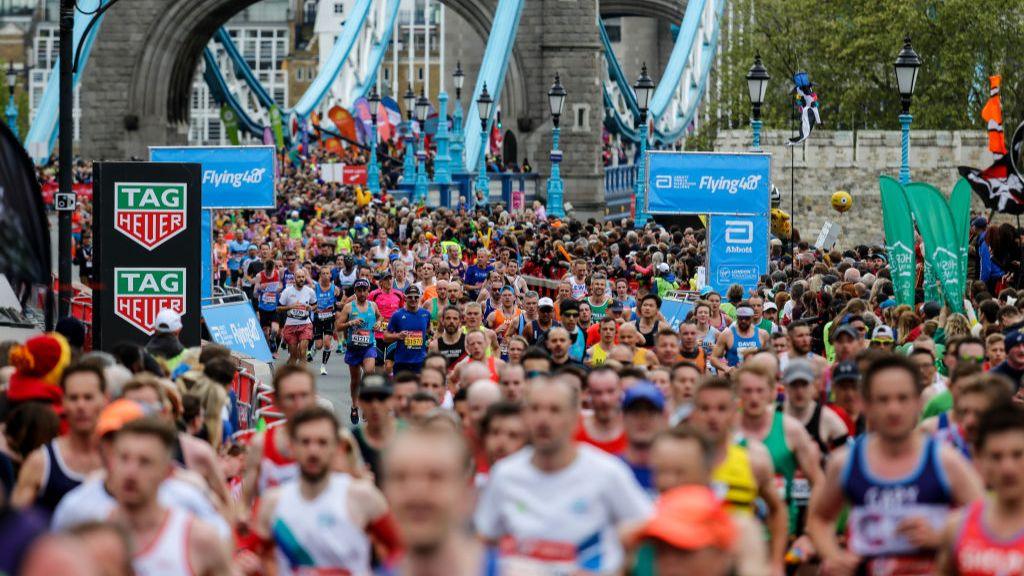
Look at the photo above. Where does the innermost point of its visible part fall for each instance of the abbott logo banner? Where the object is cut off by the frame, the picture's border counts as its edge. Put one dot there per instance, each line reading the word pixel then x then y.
pixel 708 183
pixel 232 176
pixel 738 251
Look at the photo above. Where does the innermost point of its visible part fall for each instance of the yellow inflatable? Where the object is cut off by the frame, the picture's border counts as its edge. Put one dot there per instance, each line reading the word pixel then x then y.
pixel 782 227
pixel 842 201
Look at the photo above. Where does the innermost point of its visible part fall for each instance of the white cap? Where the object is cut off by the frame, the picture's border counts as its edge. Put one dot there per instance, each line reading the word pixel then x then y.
pixel 545 303
pixel 295 213
pixel 167 320
pixel 663 267
pixel 770 306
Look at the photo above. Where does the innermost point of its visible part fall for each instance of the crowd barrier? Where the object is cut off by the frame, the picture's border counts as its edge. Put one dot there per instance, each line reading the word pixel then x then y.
pixel 618 191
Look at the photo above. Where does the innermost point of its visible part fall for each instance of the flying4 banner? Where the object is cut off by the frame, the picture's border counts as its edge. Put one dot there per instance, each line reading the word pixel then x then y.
pixel 147 249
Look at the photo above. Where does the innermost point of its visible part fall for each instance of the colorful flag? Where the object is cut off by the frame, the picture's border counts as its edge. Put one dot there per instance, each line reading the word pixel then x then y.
pixel 899 239
pixel 24 233
pixel 344 121
pixel 275 125
pixel 992 114
pixel 806 102
pixel 230 120
pixel 999 186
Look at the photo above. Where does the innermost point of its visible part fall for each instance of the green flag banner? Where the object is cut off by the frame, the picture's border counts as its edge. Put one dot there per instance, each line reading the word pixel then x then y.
pixel 276 126
pixel 941 242
pixel 960 207
pixel 899 239
pixel 230 120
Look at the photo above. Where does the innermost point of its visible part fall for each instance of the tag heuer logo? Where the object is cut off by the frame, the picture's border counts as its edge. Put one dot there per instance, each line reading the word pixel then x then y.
pixel 149 214
pixel 140 293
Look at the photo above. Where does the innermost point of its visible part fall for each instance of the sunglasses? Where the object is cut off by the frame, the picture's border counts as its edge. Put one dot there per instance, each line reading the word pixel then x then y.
pixel 570 314
pixel 977 359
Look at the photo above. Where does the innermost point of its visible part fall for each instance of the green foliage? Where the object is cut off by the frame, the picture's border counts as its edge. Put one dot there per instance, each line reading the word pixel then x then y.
pixel 848 47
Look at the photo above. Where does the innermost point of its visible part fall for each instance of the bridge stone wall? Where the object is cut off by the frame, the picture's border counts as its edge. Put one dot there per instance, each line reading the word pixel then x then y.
pixel 852 161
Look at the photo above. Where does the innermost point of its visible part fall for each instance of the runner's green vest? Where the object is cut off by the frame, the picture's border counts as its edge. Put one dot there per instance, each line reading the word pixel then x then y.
pixel 785 464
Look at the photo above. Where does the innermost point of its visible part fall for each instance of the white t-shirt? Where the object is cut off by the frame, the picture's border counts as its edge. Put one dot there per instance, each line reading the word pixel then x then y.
pixel 564 520
pixel 90 502
pixel 291 296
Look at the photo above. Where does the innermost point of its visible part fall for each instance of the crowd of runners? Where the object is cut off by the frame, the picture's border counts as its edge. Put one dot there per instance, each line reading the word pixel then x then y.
pixel 502 424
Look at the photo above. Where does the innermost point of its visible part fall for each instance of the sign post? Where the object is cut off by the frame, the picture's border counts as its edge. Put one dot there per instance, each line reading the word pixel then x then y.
pixel 147 249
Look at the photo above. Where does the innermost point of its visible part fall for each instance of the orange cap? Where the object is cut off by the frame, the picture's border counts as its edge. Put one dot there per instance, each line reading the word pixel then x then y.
pixel 691 518
pixel 117 414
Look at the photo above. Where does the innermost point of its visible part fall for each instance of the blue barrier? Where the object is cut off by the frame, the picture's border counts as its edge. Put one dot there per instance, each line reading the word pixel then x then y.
pixel 502 185
pixel 618 191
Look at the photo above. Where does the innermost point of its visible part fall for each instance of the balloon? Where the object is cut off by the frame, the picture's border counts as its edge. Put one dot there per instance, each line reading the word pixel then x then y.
pixel 782 227
pixel 842 201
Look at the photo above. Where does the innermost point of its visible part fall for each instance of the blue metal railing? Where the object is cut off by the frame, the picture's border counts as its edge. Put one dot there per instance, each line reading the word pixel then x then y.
pixel 502 186
pixel 618 191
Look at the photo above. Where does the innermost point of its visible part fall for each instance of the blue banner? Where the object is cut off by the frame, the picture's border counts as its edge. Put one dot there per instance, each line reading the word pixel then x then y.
pixel 738 251
pixel 708 183
pixel 233 176
pixel 235 326
pixel 675 311
pixel 206 234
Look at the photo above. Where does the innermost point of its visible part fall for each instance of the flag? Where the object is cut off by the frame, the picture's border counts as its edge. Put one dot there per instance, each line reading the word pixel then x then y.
pixel 992 114
pixel 24 235
pixel 806 102
pixel 999 186
pixel 230 120
pixel 276 127
pixel 899 239
pixel 344 121
pixel 942 242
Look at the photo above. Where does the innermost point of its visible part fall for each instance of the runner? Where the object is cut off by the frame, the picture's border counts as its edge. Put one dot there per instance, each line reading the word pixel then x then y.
pixel 900 485
pixel 603 427
pixel 598 353
pixel 168 541
pixel 351 509
pixel 532 494
pixel 388 301
pixel 451 340
pixel 823 425
pixel 505 319
pixel 476 348
pixel 269 460
pixel 739 340
pixel 268 287
pixel 60 465
pixel 987 537
pixel 409 328
pixel 536 332
pixel 358 318
pixel 324 326
pixel 297 302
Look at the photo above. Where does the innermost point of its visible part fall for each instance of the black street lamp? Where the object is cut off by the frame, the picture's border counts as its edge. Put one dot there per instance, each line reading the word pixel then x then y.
pixel 483 107
pixel 410 102
pixel 556 101
pixel 643 89
pixel 460 78
pixel 907 65
pixel 757 86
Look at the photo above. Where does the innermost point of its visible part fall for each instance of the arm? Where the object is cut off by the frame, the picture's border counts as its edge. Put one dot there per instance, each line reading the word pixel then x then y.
pixel 808 455
pixel 826 503
pixel 370 504
pixel 778 517
pixel 945 564
pixel 30 479
pixel 750 552
pixel 964 482
pixel 251 474
pixel 202 459
pixel 722 344
pixel 208 552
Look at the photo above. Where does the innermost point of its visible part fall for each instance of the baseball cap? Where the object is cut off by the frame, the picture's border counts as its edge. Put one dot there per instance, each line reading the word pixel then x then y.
pixel 979 222
pixel 770 306
pixel 1014 338
pixel 882 333
pixel 663 267
pixel 845 330
pixel 117 414
pixel 361 283
pixel 690 518
pixel 375 386
pixel 567 305
pixel 798 369
pixel 615 306
pixel 744 312
pixel 643 392
pixel 845 370
pixel 412 289
pixel 167 320
pixel 545 303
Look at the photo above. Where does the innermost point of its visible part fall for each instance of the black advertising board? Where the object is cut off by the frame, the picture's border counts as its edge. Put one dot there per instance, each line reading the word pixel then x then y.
pixel 147 249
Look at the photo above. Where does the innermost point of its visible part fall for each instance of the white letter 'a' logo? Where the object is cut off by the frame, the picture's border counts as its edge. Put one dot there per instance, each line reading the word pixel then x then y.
pixel 739 232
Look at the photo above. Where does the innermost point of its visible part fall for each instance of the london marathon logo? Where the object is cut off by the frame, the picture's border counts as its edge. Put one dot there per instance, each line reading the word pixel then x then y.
pixel 150 214
pixel 141 293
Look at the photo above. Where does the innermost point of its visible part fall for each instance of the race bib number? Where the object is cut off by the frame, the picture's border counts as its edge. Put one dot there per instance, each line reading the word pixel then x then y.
pixel 414 341
pixel 325 315
pixel 874 531
pixel 780 487
pixel 538 557
pixel 801 491
pixel 269 298
pixel 297 314
pixel 361 338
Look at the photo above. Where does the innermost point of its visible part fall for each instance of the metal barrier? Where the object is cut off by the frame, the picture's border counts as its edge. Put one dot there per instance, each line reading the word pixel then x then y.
pixel 545 287
pixel 618 191
pixel 502 186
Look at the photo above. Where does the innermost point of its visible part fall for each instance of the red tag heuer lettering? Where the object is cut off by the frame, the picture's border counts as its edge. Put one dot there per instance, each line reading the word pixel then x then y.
pixel 150 213
pixel 141 293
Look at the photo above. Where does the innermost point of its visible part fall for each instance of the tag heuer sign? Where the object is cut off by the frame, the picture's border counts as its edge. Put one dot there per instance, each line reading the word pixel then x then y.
pixel 150 214
pixel 140 293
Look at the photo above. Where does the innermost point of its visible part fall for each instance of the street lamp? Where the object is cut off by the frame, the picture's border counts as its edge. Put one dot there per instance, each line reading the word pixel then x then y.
pixel 907 65
pixel 409 163
pixel 483 106
pixel 422 109
pixel 12 108
pixel 372 169
pixel 643 89
pixel 458 78
pixel 757 86
pixel 556 100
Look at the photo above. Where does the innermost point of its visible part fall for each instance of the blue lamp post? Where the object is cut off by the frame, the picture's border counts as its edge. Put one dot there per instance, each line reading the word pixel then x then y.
pixel 556 100
pixel 643 88
pixel 907 65
pixel 12 109
pixel 409 163
pixel 483 106
pixel 372 168
pixel 459 79
pixel 422 109
pixel 757 86
pixel 442 171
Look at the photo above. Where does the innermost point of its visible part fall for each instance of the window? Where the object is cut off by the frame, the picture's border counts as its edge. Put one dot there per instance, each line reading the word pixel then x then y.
pixel 419 73
pixel 614 28
pixel 339 8
pixel 387 74
pixel 581 117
